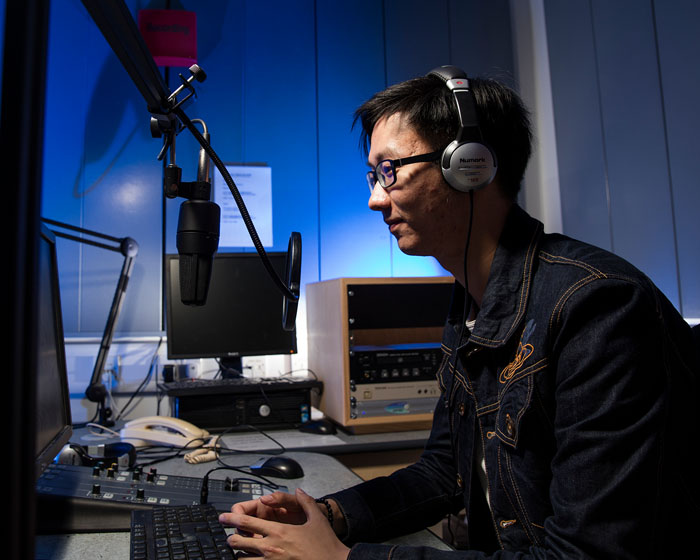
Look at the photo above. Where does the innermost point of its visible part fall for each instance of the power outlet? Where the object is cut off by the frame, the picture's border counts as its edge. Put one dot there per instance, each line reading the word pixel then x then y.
pixel 255 366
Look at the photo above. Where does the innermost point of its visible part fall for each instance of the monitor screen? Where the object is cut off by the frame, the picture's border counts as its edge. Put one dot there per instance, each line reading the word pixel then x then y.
pixel 241 317
pixel 53 414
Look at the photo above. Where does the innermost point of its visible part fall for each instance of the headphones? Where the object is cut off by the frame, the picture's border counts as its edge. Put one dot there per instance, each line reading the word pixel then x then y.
pixel 121 453
pixel 467 163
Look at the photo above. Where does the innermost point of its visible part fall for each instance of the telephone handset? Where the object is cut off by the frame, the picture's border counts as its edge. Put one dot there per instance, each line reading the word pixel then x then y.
pixel 163 430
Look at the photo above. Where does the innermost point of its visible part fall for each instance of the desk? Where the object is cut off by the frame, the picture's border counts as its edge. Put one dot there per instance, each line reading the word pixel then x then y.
pixel 322 474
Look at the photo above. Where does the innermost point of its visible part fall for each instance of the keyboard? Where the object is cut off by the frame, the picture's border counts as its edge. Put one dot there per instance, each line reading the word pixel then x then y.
pixel 178 532
pixel 238 386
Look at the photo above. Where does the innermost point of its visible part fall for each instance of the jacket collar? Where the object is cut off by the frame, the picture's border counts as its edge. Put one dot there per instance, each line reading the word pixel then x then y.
pixel 508 288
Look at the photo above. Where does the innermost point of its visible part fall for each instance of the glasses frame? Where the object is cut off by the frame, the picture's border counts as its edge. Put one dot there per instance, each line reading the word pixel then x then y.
pixel 373 175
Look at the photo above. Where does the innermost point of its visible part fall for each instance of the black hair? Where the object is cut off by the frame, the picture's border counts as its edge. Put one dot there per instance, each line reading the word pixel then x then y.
pixel 428 106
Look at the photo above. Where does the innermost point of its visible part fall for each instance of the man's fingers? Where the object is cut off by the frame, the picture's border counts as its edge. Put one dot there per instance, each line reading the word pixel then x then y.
pixel 252 545
pixel 246 523
pixel 245 508
pixel 308 504
pixel 279 500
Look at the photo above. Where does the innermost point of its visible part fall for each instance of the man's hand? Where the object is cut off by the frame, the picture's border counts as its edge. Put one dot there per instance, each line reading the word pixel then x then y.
pixel 279 506
pixel 284 527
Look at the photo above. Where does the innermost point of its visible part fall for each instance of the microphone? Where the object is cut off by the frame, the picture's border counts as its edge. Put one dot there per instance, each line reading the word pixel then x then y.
pixel 197 240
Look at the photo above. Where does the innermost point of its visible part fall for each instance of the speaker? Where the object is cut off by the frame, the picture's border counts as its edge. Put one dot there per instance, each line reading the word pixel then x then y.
pixel 467 163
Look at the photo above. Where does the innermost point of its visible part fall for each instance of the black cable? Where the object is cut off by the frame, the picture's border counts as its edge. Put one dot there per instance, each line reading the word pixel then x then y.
pixel 145 381
pixel 241 469
pixel 291 372
pixel 224 369
pixel 467 296
pixel 79 425
pixel 204 490
pixel 282 448
pixel 174 452
pixel 466 306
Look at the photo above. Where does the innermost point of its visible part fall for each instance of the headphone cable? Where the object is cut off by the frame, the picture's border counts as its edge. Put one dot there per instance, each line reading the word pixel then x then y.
pixel 465 311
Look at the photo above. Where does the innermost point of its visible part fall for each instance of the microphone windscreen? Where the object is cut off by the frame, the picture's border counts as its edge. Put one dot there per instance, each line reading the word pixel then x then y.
pixel 197 241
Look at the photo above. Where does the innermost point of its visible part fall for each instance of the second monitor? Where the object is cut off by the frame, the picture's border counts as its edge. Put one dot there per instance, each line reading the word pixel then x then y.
pixel 242 315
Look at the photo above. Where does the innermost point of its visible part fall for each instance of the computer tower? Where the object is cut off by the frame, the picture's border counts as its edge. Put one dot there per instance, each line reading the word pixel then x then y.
pixel 375 344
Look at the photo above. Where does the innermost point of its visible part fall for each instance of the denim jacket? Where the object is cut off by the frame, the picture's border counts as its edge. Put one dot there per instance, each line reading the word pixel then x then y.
pixel 579 386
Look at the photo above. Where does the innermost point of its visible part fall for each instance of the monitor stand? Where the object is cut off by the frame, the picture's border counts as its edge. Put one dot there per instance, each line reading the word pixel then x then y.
pixel 231 367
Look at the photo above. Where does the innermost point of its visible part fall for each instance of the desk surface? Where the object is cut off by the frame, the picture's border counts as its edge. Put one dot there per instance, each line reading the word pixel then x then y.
pixel 322 474
pixel 336 444
pixel 272 441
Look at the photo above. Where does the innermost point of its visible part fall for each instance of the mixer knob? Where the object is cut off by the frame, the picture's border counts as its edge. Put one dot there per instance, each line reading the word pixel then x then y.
pixel 140 494
pixel 96 489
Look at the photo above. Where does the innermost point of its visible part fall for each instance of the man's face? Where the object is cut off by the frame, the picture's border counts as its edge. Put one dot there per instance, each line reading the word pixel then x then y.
pixel 421 210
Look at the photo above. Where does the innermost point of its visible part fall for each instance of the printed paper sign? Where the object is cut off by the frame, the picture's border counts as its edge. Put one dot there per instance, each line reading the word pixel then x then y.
pixel 254 182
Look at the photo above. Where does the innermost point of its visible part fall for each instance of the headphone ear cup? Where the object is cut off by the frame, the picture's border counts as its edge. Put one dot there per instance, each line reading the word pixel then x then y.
pixel 468 166
pixel 72 454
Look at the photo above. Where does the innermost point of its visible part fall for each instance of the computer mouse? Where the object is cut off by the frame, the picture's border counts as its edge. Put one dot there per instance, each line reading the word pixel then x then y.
pixel 322 426
pixel 279 467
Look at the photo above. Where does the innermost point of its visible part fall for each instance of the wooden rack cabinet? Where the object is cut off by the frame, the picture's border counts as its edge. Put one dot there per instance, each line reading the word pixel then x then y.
pixel 375 344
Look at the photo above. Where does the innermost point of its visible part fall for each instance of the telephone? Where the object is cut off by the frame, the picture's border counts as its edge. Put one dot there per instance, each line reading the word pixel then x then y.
pixel 163 430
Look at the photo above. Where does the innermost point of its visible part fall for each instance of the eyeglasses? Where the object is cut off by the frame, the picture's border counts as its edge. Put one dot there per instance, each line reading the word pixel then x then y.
pixel 385 171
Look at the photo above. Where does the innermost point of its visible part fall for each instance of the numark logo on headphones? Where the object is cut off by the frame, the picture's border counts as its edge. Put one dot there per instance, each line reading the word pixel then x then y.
pixel 472 160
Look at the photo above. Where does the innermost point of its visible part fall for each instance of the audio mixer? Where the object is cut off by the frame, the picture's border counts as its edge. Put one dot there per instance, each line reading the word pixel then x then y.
pixel 80 499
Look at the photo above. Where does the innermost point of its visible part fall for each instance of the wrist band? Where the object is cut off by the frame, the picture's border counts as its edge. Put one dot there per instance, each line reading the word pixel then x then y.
pixel 329 509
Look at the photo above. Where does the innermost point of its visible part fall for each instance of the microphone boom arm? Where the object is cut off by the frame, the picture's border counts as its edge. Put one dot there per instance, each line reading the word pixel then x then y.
pixel 128 247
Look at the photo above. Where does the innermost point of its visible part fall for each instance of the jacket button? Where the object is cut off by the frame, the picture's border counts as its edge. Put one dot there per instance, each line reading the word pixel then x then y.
pixel 461 409
pixel 510 426
pixel 460 482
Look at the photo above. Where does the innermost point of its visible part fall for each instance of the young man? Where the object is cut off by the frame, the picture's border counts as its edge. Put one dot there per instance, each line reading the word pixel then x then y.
pixel 569 382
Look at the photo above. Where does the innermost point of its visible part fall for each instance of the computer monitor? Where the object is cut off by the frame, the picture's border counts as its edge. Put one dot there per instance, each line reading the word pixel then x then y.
pixel 53 414
pixel 242 315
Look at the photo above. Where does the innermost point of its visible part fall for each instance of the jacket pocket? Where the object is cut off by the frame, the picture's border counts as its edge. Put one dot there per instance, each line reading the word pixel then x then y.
pixel 513 405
